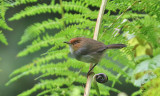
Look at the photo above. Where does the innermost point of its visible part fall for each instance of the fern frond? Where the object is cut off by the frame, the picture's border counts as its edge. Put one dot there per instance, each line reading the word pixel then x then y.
pixel 48 84
pixel 3 38
pixel 149 6
pixel 38 44
pixel 45 68
pixel 42 60
pixel 44 8
pixel 39 69
pixel 144 29
pixel 37 28
pixel 149 25
pixel 39 9
pixel 74 18
pixel 104 88
pixel 113 66
pixel 4 25
pixel 45 92
pixel 19 2
pixel 76 6
pixel 96 3
pixel 4 5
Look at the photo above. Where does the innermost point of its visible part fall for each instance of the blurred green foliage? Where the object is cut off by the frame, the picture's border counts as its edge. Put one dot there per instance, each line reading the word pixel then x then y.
pixel 136 63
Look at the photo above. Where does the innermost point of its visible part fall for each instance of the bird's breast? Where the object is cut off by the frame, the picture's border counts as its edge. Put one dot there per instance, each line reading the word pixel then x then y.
pixel 71 49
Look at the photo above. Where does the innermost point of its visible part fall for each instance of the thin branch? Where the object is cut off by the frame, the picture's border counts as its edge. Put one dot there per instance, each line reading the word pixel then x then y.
pixel 98 24
pixel 119 17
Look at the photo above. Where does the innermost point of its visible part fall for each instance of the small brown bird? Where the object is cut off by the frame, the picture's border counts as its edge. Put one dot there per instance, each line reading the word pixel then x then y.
pixel 89 50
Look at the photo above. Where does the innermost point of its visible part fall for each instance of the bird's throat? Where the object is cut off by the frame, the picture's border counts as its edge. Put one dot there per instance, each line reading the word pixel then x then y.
pixel 71 49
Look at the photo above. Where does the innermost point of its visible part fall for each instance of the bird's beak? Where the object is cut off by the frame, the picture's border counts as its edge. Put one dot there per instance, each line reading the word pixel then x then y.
pixel 67 42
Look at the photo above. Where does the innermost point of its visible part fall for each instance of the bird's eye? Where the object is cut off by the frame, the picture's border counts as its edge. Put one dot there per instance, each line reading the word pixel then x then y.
pixel 75 42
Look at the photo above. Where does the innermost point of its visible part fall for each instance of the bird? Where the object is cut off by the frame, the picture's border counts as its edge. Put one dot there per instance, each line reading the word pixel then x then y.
pixel 89 50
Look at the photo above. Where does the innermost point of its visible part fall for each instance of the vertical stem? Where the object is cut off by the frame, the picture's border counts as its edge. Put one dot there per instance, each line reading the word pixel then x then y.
pixel 98 24
pixel 96 86
pixel 99 19
pixel 61 4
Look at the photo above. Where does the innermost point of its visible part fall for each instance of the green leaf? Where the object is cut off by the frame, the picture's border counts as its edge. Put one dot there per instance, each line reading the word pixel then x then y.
pixel 143 71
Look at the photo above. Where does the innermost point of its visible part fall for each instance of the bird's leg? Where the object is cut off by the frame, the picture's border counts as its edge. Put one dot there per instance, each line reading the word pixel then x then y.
pixel 88 73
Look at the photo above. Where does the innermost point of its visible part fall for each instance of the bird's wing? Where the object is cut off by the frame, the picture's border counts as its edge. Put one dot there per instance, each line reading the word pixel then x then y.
pixel 99 48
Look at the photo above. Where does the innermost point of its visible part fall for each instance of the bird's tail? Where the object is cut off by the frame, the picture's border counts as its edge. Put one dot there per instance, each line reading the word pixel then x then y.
pixel 115 46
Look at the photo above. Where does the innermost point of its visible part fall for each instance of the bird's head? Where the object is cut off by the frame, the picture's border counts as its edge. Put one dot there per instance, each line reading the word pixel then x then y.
pixel 75 43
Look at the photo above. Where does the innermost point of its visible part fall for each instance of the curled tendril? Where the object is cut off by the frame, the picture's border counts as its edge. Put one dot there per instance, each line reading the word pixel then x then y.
pixel 101 77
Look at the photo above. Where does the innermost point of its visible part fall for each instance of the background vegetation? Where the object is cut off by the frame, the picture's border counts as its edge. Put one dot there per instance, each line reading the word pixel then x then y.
pixel 41 26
